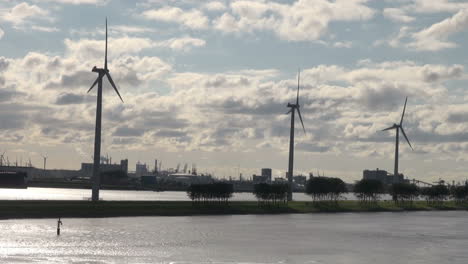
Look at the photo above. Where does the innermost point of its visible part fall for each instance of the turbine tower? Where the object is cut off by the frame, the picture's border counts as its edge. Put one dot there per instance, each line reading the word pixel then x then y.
pixel 45 161
pixel 398 127
pixel 293 109
pixel 97 137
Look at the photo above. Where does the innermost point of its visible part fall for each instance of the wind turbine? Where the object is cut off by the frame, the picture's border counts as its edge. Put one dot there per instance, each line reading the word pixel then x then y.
pixel 398 127
pixel 45 162
pixel 1 158
pixel 97 136
pixel 293 109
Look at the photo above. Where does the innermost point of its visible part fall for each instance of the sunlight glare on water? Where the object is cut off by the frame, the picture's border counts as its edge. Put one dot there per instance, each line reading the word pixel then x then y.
pixel 416 237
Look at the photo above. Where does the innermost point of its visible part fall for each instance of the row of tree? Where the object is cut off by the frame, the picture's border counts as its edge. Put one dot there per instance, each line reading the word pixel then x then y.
pixel 219 192
pixel 325 189
pixel 370 191
pixel 332 189
pixel 271 193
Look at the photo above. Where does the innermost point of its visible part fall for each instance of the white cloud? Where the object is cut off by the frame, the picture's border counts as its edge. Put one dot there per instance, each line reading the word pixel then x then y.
pixel 1 33
pixel 182 44
pixel 44 29
pixel 214 6
pixel 435 6
pixel 192 19
pixel 131 29
pixel 343 44
pixel 398 15
pixel 22 12
pixel 77 2
pixel 88 49
pixel 436 36
pixel 304 20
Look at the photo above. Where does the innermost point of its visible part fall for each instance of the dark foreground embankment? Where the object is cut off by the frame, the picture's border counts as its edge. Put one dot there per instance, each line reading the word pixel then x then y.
pixel 53 209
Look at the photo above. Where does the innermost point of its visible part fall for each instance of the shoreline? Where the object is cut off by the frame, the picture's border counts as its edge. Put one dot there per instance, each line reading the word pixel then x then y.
pixel 25 209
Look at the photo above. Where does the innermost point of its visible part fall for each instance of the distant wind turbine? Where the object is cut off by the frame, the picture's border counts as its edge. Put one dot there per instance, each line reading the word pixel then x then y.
pixel 1 158
pixel 399 127
pixel 293 109
pixel 45 162
pixel 97 137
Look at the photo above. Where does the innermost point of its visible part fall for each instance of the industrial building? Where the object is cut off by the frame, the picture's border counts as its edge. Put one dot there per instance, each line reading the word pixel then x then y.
pixel 11 179
pixel 266 173
pixel 382 175
pixel 87 168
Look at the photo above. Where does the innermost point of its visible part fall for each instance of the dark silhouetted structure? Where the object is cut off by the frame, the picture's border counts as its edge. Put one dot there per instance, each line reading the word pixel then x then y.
pixel 399 127
pixel 293 107
pixel 266 172
pixel 97 137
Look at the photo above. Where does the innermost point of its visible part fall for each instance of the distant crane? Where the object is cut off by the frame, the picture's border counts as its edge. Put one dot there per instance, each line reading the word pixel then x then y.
pixel 194 169
pixel 421 182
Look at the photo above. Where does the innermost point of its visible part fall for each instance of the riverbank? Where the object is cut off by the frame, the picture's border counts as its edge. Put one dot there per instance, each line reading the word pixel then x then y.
pixel 54 209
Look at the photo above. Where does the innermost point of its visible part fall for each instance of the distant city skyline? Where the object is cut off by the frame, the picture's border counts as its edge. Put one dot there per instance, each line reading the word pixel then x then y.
pixel 207 82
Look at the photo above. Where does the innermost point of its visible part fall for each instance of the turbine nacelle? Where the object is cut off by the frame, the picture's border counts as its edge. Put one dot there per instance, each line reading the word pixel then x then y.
pixel 104 72
pixel 400 126
pixel 96 69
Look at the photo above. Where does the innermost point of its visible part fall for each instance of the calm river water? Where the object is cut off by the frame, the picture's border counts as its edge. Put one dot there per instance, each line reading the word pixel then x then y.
pixel 393 238
pixel 116 195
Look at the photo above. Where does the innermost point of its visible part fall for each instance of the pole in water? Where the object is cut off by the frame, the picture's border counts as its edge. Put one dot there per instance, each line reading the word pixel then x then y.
pixel 59 223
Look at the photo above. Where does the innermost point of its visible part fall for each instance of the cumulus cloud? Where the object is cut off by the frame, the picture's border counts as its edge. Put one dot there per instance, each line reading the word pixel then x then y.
pixel 303 20
pixel 191 18
pixel 77 2
pixel 435 6
pixel 398 15
pixel 182 44
pixel 22 13
pixel 436 36
pixel 69 98
pixel 214 6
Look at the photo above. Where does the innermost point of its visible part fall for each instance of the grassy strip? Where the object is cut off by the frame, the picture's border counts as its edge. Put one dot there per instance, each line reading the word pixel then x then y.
pixel 53 209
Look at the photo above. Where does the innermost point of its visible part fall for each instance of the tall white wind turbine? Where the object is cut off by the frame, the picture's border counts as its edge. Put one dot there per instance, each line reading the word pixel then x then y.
pixel 96 179
pixel 398 127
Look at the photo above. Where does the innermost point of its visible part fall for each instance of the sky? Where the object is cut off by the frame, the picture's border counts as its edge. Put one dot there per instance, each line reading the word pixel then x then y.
pixel 208 82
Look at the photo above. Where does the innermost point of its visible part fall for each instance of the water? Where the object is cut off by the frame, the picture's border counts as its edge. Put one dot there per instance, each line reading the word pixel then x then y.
pixel 416 237
pixel 117 195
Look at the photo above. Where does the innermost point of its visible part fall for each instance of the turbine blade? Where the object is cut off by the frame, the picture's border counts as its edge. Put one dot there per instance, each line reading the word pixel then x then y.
pixel 388 128
pixel 113 85
pixel 407 140
pixel 403 114
pixel 300 117
pixel 288 112
pixel 105 57
pixel 94 84
pixel 298 78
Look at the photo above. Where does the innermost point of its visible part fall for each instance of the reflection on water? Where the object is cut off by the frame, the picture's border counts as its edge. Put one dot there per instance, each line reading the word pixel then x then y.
pixel 417 237
pixel 116 195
